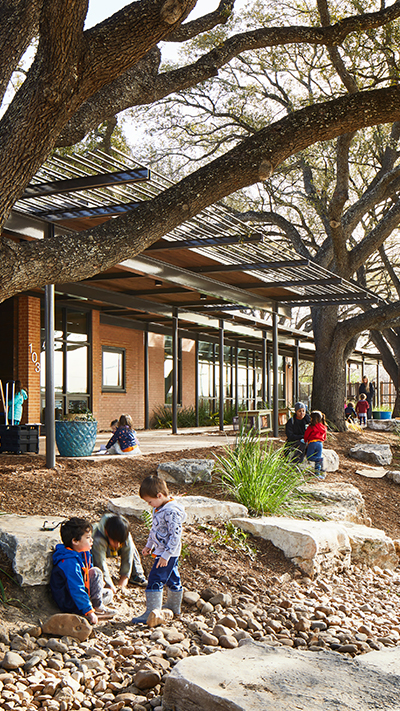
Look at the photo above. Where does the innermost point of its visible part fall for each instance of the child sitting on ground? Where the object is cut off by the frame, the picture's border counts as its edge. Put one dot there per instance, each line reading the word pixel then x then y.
pixel 164 544
pixel 124 440
pixel 362 409
pixel 111 538
pixel 76 585
pixel 314 436
pixel 349 412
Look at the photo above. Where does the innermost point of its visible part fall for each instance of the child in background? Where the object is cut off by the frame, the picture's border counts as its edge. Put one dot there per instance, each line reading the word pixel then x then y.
pixel 164 544
pixel 124 440
pixel 111 538
pixel 362 409
pixel 113 428
pixel 77 586
pixel 349 412
pixel 19 396
pixel 314 437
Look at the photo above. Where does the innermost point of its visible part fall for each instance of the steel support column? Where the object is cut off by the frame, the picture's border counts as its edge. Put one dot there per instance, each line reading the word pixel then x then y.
pixel 50 393
pixel 236 380
pixel 247 380
pixel 175 370
pixel 196 381
pixel 214 393
pixel 378 386
pixel 275 416
pixel 296 371
pixel 221 375
pixel 254 380
pixel 146 381
pixel 264 369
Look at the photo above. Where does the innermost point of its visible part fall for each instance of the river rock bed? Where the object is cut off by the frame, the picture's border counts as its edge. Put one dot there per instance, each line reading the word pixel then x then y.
pixel 123 666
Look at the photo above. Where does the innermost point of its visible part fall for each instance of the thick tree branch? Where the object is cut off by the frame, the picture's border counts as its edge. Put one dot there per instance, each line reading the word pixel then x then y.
pixel 382 189
pixel 379 319
pixel 375 238
pixel 390 269
pixel 81 255
pixel 388 359
pixel 117 43
pixel 136 91
pixel 273 218
pixel 347 79
pixel 203 24
pixel 339 198
pixel 20 22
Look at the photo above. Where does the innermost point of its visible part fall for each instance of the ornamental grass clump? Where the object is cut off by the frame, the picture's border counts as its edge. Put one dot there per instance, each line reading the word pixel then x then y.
pixel 262 478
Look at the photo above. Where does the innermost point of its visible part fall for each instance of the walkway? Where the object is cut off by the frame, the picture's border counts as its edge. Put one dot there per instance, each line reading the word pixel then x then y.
pixel 154 441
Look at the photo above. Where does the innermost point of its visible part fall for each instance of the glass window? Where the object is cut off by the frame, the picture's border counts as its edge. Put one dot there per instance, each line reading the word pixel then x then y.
pixel 113 368
pixel 77 359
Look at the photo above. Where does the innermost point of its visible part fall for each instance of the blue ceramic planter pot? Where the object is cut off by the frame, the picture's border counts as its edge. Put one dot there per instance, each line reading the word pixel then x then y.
pixel 75 438
pixel 382 415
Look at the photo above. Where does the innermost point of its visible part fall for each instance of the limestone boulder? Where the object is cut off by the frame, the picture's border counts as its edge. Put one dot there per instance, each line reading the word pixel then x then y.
pixel 335 501
pixel 324 546
pixel 198 508
pixel 384 425
pixel 257 677
pixel 186 471
pixel 316 547
pixel 371 546
pixel 28 547
pixel 330 460
pixel 373 453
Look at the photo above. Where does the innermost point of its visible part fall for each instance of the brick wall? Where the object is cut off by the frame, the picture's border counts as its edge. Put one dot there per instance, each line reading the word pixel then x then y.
pixel 109 406
pixel 27 353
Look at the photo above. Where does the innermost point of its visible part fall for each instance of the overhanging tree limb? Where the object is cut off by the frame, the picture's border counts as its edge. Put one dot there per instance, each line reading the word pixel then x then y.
pixel 78 256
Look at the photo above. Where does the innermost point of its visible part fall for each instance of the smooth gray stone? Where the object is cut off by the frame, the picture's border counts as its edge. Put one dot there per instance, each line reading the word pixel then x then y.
pixel 257 677
pixel 374 453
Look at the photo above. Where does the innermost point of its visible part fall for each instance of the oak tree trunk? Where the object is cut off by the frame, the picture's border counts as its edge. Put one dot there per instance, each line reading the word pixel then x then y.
pixel 331 353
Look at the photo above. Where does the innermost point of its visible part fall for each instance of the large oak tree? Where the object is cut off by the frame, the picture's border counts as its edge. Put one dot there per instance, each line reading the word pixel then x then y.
pixel 336 202
pixel 79 78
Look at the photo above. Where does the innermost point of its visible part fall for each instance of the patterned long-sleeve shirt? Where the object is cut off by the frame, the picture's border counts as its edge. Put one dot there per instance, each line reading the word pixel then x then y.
pixel 126 438
pixel 166 531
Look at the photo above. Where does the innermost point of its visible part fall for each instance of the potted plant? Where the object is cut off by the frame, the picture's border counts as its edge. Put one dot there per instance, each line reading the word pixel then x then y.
pixel 76 434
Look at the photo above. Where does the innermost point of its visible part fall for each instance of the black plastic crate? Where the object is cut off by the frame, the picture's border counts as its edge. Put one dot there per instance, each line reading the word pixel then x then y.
pixel 19 439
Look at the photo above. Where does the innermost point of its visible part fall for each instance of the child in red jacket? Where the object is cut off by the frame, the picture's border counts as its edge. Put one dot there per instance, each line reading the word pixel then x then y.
pixel 314 436
pixel 362 409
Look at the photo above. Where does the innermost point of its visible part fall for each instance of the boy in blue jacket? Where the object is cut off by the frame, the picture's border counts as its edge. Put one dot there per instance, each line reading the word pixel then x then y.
pixel 76 585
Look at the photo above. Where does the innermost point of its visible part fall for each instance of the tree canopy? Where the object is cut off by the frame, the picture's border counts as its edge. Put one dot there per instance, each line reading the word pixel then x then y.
pixel 80 78
pixel 336 202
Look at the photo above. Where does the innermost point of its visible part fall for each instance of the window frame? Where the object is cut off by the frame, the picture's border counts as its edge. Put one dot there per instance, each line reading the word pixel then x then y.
pixel 113 388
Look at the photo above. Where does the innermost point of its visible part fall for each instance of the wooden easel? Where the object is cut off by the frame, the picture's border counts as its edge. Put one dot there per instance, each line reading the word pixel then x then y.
pixel 4 403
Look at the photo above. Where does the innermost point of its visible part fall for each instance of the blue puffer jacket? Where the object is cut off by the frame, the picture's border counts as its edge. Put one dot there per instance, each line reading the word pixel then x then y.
pixel 68 577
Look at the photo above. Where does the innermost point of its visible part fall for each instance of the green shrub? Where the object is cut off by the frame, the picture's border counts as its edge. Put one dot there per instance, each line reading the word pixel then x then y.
pixel 261 477
pixel 162 416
